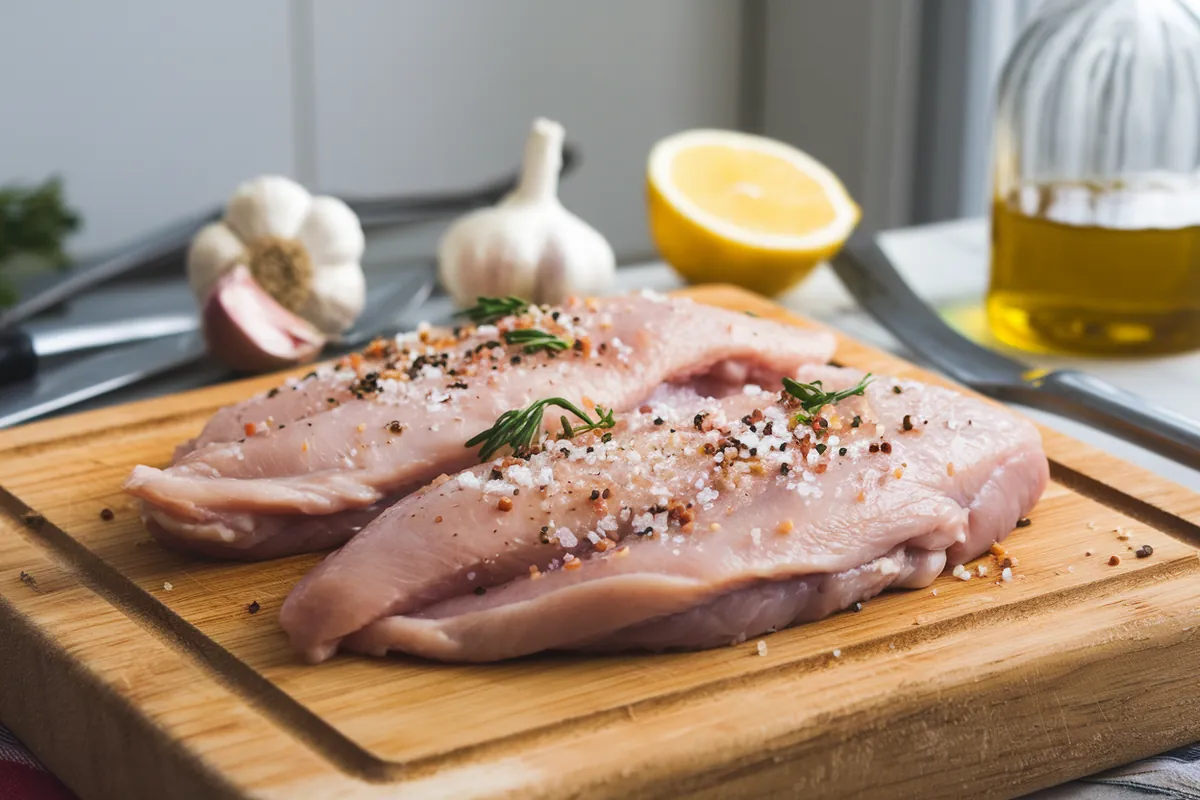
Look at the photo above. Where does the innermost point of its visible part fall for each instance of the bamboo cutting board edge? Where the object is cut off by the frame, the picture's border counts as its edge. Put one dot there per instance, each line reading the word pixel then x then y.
pixel 39 616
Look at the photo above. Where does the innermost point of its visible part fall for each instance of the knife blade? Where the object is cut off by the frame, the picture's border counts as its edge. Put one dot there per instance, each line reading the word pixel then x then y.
pixel 55 389
pixel 22 351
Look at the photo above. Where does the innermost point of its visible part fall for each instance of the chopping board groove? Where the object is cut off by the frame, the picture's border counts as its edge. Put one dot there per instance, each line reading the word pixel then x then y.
pixel 1128 505
pixel 158 621
pixel 123 648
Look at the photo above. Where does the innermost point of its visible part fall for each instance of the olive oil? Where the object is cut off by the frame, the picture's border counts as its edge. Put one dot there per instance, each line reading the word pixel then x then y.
pixel 1098 283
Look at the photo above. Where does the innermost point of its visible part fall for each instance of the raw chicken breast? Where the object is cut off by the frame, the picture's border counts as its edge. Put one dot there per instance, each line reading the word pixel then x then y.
pixel 691 527
pixel 306 465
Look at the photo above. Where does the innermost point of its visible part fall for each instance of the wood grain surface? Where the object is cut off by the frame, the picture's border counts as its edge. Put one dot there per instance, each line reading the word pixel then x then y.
pixel 136 672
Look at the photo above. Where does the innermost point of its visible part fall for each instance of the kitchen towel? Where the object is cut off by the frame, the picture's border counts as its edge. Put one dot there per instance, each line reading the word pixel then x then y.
pixel 22 777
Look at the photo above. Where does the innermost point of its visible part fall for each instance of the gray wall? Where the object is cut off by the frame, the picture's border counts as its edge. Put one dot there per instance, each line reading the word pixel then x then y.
pixel 839 79
pixel 152 110
pixel 155 109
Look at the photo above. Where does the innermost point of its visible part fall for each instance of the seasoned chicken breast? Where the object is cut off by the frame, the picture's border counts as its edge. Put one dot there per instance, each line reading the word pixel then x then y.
pixel 693 523
pixel 306 465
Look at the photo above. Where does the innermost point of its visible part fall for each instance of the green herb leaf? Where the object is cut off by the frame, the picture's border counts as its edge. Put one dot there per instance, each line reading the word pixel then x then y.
pixel 535 340
pixel 490 309
pixel 33 222
pixel 518 428
pixel 813 397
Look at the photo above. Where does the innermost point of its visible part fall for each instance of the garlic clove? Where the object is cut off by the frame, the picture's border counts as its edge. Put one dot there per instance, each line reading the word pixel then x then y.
pixel 337 297
pixel 474 259
pixel 271 205
pixel 248 331
pixel 577 260
pixel 459 259
pixel 213 252
pixel 332 232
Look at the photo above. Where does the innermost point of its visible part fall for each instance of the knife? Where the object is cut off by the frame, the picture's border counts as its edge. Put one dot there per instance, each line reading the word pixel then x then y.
pixel 55 389
pixel 873 280
pixel 21 351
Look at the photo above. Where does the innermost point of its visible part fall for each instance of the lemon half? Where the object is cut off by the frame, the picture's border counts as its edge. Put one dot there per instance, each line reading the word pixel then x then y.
pixel 737 208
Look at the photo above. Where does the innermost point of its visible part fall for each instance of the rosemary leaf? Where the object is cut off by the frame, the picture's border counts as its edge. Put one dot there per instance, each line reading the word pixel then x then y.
pixel 490 309
pixel 518 428
pixel 535 340
pixel 813 397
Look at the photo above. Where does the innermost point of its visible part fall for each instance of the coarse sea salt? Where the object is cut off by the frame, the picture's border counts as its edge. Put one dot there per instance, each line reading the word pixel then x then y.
pixel 565 537
pixel 520 475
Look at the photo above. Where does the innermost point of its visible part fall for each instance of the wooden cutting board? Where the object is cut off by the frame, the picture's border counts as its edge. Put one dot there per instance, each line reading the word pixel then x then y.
pixel 134 672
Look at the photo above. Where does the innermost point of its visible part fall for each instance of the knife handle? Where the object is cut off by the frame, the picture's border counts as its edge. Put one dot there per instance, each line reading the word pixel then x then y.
pixel 18 359
pixel 1123 414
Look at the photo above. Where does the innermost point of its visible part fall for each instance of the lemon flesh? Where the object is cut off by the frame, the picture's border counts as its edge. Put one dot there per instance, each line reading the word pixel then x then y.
pixel 734 208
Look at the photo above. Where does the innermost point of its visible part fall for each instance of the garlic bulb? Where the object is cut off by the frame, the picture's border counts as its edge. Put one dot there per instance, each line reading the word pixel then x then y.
pixel 303 250
pixel 528 245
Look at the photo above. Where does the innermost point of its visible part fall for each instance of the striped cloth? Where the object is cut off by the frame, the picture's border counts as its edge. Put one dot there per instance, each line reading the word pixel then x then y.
pixel 1175 775
pixel 22 777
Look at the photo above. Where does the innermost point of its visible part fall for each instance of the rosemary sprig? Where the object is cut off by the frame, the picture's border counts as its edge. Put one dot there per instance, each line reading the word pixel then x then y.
pixel 518 428
pixel 490 309
pixel 813 397
pixel 535 340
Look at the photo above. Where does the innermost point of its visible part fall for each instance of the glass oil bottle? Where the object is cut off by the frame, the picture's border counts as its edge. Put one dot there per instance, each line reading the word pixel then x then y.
pixel 1096 208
